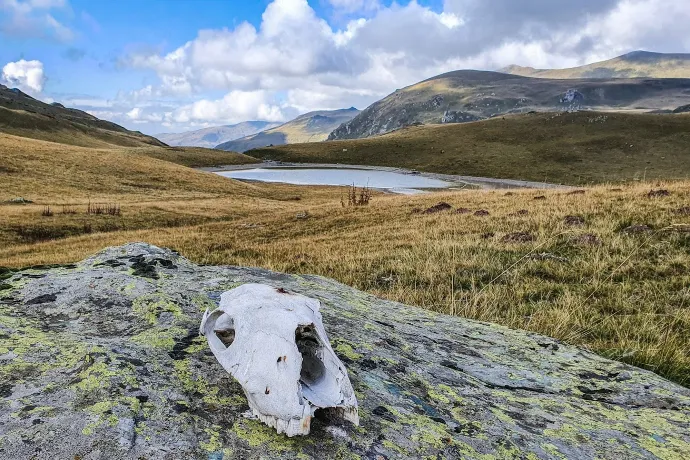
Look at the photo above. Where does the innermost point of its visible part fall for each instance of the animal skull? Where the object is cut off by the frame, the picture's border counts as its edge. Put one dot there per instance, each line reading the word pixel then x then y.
pixel 274 343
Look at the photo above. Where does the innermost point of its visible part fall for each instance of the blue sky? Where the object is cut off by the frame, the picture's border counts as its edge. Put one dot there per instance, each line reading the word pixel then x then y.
pixel 103 31
pixel 175 65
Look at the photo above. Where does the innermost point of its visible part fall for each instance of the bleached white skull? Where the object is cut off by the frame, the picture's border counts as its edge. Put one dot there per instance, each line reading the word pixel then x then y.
pixel 274 343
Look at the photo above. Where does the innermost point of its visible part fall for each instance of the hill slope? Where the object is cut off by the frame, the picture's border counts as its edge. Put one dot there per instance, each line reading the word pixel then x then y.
pixel 210 137
pixel 310 127
pixel 144 182
pixel 632 65
pixel 468 95
pixel 571 148
pixel 22 115
pixel 34 168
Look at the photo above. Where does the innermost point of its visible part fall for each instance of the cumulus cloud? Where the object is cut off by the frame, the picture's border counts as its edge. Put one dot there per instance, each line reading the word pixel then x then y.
pixel 295 61
pixel 25 75
pixel 32 18
pixel 236 106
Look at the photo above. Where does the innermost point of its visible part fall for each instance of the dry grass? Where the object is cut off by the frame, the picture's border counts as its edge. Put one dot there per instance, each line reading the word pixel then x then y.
pixel 570 148
pixel 33 168
pixel 624 295
pixel 193 156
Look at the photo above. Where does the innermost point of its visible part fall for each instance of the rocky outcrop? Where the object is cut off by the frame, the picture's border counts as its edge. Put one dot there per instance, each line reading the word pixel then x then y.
pixel 452 116
pixel 103 360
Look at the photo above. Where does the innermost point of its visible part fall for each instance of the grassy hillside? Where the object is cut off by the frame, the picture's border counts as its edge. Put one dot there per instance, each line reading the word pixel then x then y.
pixel 310 127
pixel 36 169
pixel 638 64
pixel 569 148
pixel 22 115
pixel 468 95
pixel 193 156
pixel 150 192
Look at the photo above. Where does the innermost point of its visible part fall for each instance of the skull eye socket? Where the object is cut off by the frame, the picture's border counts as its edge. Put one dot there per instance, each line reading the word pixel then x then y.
pixel 227 336
pixel 226 333
pixel 313 369
pixel 224 329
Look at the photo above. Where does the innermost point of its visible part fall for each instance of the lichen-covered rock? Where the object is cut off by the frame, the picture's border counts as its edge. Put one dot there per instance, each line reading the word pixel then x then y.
pixel 103 360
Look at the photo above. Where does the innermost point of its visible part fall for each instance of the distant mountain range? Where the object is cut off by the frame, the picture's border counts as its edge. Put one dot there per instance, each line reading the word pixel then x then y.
pixel 22 115
pixel 638 64
pixel 210 137
pixel 471 95
pixel 310 127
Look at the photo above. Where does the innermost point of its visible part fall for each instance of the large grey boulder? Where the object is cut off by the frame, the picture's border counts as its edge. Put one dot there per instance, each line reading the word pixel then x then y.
pixel 102 360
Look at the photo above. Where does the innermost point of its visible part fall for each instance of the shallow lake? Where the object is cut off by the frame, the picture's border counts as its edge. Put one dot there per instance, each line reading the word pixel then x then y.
pixel 392 181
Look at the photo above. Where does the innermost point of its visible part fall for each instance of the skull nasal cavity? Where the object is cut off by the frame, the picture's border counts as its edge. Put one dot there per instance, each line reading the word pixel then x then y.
pixel 227 336
pixel 307 341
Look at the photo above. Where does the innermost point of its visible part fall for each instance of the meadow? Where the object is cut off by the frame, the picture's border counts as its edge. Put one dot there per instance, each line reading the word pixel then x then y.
pixel 581 148
pixel 603 267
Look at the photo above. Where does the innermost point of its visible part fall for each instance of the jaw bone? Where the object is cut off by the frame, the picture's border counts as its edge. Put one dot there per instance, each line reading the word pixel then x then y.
pixel 274 343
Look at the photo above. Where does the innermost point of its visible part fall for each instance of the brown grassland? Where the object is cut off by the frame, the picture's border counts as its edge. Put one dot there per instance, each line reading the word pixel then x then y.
pixel 585 280
pixel 571 148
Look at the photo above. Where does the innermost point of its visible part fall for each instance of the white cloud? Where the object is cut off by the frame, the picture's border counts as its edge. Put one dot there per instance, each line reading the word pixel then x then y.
pixel 32 18
pixel 26 75
pixel 295 61
pixel 450 20
pixel 236 106
pixel 141 116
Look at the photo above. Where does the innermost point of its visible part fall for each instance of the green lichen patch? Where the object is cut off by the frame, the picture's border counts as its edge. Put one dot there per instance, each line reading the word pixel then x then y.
pixel 150 307
pixel 203 302
pixel 345 349
pixel 160 337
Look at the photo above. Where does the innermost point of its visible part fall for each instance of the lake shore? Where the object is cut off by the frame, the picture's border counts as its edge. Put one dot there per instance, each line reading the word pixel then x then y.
pixel 456 180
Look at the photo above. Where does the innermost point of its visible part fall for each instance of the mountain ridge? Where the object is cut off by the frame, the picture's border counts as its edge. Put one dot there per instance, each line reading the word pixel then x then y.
pixel 636 64
pixel 470 95
pixel 312 126
pixel 25 116
pixel 215 135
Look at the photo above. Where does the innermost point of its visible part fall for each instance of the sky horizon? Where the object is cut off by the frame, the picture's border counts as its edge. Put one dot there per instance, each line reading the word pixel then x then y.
pixel 171 66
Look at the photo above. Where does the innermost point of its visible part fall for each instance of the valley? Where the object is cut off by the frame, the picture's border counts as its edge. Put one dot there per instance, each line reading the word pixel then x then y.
pixel 309 127
pixel 345 229
pixel 603 266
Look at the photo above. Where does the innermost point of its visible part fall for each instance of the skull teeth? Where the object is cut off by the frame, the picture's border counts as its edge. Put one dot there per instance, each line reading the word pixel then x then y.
pixel 292 427
pixel 302 426
pixel 351 414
